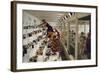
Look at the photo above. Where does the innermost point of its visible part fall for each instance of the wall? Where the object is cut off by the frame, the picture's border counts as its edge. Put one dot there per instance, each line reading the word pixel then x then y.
pixel 29 20
pixel 5 37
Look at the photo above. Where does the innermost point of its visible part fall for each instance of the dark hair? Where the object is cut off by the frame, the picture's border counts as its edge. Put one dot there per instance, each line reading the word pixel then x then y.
pixel 44 20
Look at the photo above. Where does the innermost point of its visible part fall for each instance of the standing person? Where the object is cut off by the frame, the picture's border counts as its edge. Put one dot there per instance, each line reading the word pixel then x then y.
pixel 49 28
pixel 88 46
pixel 82 43
pixel 82 47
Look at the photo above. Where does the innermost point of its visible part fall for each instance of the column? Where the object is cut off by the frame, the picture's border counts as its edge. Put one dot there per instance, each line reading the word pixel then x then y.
pixel 76 37
pixel 68 33
pixel 85 27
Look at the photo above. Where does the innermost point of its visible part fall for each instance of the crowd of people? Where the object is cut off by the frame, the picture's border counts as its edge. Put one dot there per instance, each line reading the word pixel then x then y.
pixel 47 49
pixel 84 49
pixel 54 47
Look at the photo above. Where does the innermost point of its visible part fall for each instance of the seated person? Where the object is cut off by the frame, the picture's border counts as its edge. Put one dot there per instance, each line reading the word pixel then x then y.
pixel 40 51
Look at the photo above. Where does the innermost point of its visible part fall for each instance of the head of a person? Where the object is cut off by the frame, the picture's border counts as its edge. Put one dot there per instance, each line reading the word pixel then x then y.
pixel 44 21
pixel 82 33
pixel 89 35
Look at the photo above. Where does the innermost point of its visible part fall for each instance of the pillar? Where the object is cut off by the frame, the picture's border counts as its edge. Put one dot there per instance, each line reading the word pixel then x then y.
pixel 76 37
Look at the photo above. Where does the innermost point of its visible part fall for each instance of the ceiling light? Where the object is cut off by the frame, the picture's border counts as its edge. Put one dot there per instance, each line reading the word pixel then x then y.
pixel 70 14
pixel 66 17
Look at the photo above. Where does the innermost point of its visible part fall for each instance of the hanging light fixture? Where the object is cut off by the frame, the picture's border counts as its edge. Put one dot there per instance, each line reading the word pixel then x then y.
pixel 70 14
pixel 66 17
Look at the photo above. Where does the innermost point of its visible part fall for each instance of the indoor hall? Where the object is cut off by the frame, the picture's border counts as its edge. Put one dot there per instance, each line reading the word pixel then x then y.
pixel 56 36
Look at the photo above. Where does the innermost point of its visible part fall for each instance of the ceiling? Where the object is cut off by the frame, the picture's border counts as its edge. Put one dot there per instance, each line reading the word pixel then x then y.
pixel 52 16
pixel 49 16
pixel 86 17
